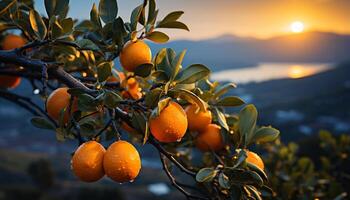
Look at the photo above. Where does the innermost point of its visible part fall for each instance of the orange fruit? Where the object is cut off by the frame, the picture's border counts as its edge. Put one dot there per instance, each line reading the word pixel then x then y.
pixel 135 54
pixel 170 125
pixel 209 139
pixel 254 159
pixel 116 78
pixel 9 81
pixel 122 162
pixel 133 91
pixel 13 41
pixel 58 100
pixel 197 120
pixel 87 161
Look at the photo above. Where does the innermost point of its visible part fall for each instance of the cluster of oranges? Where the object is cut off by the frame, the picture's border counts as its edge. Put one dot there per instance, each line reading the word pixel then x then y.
pixel 120 162
pixel 8 43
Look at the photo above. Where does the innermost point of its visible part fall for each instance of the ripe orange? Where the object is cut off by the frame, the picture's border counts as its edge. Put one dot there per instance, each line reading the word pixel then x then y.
pixel 197 120
pixel 209 139
pixel 254 159
pixel 13 41
pixel 57 101
pixel 170 125
pixel 87 161
pixel 133 91
pixel 135 54
pixel 9 81
pixel 122 162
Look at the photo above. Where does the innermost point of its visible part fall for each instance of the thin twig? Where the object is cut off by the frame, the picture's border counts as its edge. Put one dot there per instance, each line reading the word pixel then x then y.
pixel 174 182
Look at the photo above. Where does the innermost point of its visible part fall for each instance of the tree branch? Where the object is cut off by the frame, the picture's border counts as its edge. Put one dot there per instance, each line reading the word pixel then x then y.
pixel 175 183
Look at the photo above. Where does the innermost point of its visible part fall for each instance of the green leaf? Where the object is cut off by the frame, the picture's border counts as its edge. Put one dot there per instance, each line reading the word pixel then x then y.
pixel 56 7
pixel 162 104
pixel 221 119
pixel 265 134
pixel 104 70
pixel 176 64
pixel 87 44
pixel 158 37
pixel 206 175
pixel 108 10
pixel 239 176
pixel 177 25
pixel 60 134
pixel 86 102
pixel 37 24
pixel 171 17
pixel 112 99
pixel 5 6
pixel 224 181
pixel 223 89
pixel 151 12
pixel 67 25
pixel 42 123
pixel 189 97
pixel 230 101
pixel 247 122
pixel 95 17
pixel 139 121
pixel 257 170
pixel 144 70
pixel 152 97
pixel 56 29
pixel 192 74
pixel 135 16
pixel 50 7
pixel 240 158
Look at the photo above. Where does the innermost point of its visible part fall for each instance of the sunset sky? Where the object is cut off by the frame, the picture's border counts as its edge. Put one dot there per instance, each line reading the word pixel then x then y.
pixel 256 18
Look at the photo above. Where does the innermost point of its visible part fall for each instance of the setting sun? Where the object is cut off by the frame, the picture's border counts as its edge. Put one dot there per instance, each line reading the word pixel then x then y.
pixel 297 71
pixel 297 27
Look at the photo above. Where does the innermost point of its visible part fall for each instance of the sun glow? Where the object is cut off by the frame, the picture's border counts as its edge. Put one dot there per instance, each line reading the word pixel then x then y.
pixel 297 27
pixel 297 71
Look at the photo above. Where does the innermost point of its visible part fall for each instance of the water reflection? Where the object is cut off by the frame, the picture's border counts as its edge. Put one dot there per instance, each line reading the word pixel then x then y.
pixel 269 71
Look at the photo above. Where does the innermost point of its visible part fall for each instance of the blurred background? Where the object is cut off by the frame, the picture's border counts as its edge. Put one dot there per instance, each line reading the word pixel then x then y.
pixel 291 58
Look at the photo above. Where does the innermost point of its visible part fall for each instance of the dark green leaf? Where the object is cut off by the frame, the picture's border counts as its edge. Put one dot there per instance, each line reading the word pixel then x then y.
pixel 95 17
pixel 176 64
pixel 152 97
pixel 189 97
pixel 177 25
pixel 223 89
pixel 146 136
pixel 240 158
pixel 104 70
pixel 112 99
pixel 162 104
pixel 151 12
pixel 42 123
pixel 245 177
pixel 171 17
pixel 206 175
pixel 135 15
pixel 87 44
pixel 265 134
pixel 50 7
pixel 37 24
pixel 108 10
pixel 224 181
pixel 158 37
pixel 221 119
pixel 230 101
pixel 144 70
pixel 192 74
pixel 247 122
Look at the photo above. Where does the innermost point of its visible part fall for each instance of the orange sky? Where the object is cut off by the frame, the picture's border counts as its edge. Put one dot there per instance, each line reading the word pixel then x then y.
pixel 257 18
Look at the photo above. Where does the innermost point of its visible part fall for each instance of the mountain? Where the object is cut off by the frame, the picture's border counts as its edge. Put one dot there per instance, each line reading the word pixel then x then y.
pixel 230 51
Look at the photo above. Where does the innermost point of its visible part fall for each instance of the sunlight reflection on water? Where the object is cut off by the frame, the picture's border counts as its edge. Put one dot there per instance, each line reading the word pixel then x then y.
pixel 269 71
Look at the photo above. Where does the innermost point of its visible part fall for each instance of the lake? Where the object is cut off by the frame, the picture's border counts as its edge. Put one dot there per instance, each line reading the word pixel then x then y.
pixel 269 71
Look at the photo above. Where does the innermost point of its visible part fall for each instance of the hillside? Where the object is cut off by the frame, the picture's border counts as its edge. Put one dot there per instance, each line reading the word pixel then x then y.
pixel 229 51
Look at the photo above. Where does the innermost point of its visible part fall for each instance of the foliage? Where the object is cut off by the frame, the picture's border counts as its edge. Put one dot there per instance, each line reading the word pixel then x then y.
pixel 81 54
pixel 317 168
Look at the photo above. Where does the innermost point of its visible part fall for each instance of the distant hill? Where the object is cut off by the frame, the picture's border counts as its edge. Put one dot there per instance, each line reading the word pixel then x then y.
pixel 230 51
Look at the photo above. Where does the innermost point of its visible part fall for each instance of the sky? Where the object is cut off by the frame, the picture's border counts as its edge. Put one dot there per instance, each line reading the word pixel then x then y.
pixel 248 18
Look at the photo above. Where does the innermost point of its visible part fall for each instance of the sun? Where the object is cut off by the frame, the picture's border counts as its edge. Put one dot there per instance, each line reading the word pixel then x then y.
pixel 297 27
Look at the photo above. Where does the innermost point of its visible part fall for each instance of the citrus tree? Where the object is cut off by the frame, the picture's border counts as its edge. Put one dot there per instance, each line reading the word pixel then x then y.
pixel 154 99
